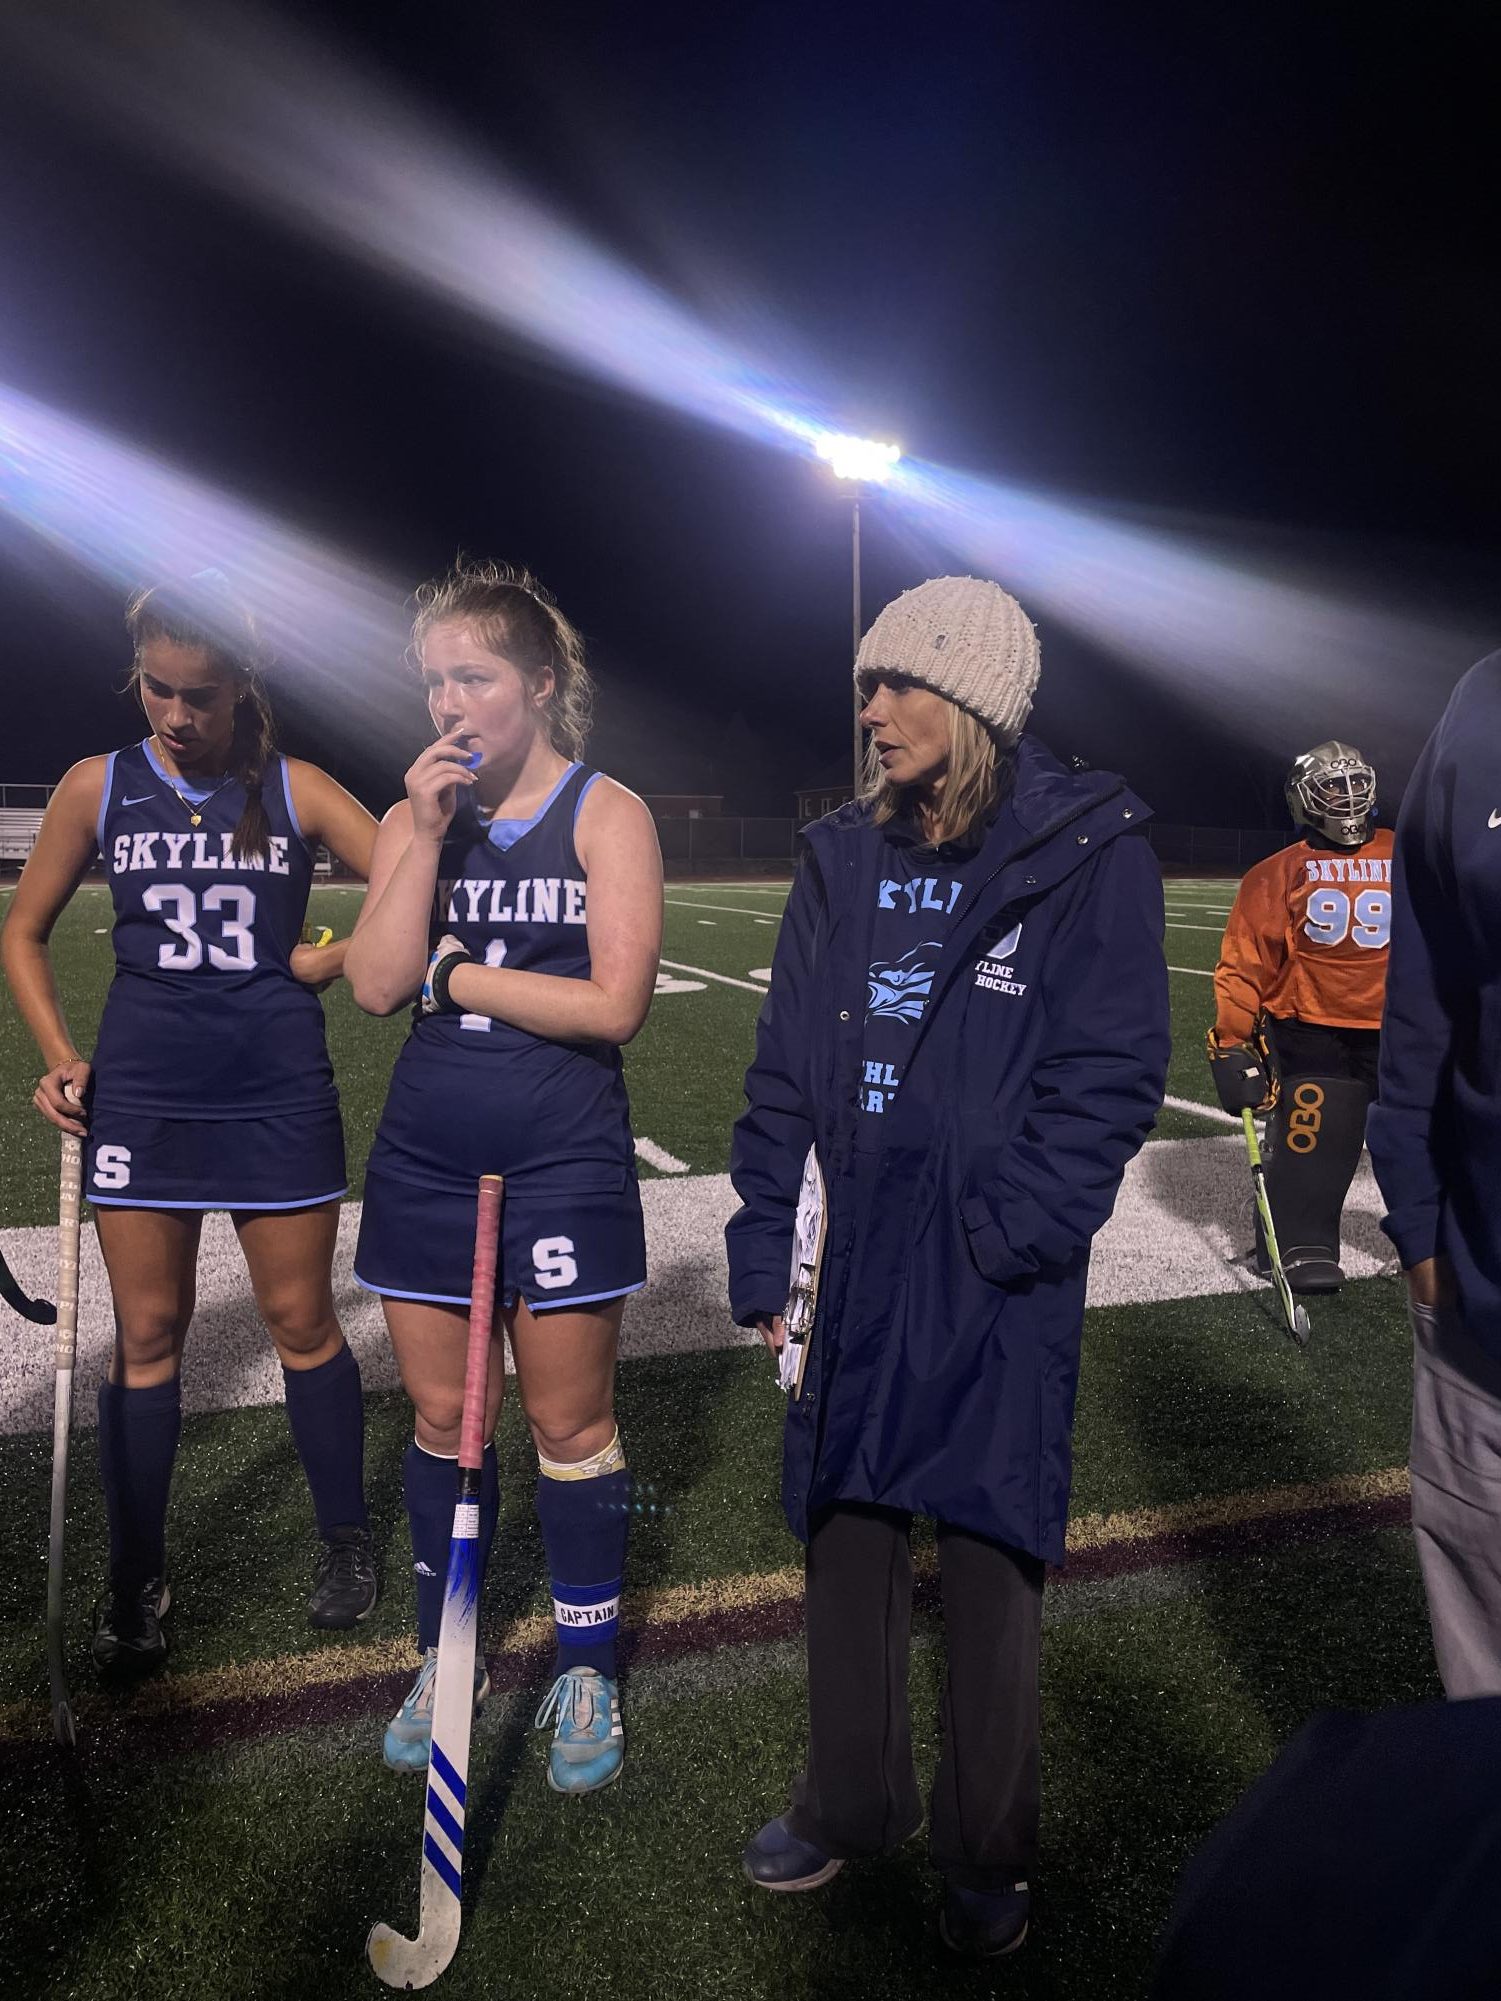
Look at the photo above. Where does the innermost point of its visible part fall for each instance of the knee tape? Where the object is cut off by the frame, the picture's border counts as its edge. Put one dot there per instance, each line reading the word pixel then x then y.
pixel 609 1459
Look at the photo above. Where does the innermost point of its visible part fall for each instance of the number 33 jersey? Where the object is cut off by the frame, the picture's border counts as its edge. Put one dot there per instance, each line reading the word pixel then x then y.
pixel 1308 939
pixel 204 1018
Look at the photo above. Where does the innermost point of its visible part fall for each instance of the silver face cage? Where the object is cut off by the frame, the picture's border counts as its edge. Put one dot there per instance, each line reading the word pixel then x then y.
pixel 1333 793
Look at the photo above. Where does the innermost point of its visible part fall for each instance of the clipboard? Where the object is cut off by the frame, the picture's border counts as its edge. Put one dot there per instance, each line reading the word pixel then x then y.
pixel 809 1234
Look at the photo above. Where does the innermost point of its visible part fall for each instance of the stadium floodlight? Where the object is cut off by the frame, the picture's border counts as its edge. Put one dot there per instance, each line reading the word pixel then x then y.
pixel 860 459
pixel 862 462
pixel 254 104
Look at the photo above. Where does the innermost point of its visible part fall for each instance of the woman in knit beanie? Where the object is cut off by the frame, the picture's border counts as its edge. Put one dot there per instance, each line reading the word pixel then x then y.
pixel 965 1041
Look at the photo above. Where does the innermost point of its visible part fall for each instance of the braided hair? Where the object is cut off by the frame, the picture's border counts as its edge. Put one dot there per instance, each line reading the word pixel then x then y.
pixel 202 610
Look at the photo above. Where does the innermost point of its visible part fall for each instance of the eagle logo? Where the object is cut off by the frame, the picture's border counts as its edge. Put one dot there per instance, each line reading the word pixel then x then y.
pixel 899 992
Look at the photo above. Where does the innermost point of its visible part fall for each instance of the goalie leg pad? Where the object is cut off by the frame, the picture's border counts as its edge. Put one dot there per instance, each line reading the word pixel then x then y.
pixel 1314 1138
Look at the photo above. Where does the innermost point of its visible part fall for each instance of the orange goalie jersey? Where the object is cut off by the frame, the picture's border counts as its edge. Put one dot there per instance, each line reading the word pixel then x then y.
pixel 1308 938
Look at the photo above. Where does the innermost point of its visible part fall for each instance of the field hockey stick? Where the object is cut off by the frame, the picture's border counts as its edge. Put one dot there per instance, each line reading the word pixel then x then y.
pixel 40 1311
pixel 69 1197
pixel 1294 1313
pixel 417 1962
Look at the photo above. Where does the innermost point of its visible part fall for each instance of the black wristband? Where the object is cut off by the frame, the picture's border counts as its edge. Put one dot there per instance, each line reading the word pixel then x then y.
pixel 442 973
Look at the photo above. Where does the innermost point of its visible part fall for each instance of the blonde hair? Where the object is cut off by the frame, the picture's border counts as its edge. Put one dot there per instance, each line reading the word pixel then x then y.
pixel 979 772
pixel 518 620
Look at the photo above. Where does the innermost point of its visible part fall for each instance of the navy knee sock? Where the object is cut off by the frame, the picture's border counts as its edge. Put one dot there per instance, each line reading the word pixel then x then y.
pixel 138 1434
pixel 430 1485
pixel 326 1410
pixel 585 1524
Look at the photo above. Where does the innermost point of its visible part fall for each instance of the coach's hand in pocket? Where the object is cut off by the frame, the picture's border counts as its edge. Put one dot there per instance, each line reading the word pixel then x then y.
pixel 59 1096
pixel 1431 1283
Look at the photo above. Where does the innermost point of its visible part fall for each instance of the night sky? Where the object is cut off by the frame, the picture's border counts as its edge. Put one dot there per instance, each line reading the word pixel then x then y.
pixel 1209 267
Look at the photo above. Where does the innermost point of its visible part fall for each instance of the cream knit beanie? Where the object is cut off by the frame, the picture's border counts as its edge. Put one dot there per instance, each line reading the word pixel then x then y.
pixel 969 640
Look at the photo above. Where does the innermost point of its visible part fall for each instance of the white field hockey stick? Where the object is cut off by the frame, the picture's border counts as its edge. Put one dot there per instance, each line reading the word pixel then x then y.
pixel 417 1962
pixel 1294 1313
pixel 69 1197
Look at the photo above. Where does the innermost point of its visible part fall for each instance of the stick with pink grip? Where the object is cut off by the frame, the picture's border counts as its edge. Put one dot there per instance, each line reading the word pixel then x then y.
pixel 406 1962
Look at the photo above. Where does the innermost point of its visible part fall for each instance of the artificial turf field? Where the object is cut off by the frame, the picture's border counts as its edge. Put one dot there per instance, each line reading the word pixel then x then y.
pixel 1238 1560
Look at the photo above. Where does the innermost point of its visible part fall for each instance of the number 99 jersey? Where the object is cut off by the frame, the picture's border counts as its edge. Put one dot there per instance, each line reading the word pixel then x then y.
pixel 212 1086
pixel 1308 939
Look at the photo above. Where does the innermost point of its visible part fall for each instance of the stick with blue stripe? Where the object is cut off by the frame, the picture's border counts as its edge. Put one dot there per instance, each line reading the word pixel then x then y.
pixel 417 1962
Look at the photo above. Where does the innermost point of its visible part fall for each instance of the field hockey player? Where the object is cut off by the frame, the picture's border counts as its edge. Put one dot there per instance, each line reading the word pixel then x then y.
pixel 517 896
pixel 210 1085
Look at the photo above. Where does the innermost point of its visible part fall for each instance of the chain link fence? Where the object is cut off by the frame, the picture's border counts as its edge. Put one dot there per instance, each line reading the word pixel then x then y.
pixel 722 842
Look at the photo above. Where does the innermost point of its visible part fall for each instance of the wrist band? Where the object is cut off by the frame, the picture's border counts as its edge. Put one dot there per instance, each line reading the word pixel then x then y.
pixel 438 980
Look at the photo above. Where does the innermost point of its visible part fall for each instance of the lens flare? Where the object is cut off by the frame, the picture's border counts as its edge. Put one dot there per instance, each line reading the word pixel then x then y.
pixel 1275 656
pixel 289 125
pixel 335 630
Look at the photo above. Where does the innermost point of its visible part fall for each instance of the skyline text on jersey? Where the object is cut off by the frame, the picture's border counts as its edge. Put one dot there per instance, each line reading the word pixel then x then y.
pixel 1348 868
pixel 204 852
pixel 547 899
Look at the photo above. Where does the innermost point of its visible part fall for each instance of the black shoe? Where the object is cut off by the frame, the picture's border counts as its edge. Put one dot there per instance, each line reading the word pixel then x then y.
pixel 1312 1271
pixel 345 1586
pixel 128 1636
pixel 985 1924
pixel 778 1859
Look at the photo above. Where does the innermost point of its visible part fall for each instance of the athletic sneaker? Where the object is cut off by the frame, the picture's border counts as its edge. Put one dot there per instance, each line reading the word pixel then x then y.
pixel 778 1859
pixel 128 1636
pixel 985 1924
pixel 409 1734
pixel 345 1586
pixel 588 1744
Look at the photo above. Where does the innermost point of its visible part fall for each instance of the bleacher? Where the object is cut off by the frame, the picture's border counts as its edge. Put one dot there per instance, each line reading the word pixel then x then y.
pixel 18 831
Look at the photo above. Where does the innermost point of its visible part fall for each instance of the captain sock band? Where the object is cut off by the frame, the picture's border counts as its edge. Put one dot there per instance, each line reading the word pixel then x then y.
pixel 584 1508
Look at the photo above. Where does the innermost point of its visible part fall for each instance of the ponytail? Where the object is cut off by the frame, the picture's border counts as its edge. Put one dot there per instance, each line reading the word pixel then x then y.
pixel 251 751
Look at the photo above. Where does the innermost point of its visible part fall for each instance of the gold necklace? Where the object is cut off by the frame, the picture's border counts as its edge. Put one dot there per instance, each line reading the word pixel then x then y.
pixel 194 813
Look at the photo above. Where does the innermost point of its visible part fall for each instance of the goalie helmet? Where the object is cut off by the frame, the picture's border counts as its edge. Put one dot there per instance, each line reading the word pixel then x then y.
pixel 1332 789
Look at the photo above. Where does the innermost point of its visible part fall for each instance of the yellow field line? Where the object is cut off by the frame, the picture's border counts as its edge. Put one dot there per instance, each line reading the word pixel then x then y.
pixel 677 1604
pixel 1230 1510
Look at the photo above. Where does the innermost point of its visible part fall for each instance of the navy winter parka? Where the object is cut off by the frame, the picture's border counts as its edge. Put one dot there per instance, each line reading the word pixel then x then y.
pixel 945 1355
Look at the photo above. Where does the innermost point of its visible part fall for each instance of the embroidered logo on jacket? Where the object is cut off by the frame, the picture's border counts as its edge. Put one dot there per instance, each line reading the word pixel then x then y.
pixel 899 992
pixel 995 973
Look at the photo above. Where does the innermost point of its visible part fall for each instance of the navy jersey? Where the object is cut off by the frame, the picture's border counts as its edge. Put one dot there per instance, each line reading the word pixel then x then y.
pixel 513 892
pixel 204 1019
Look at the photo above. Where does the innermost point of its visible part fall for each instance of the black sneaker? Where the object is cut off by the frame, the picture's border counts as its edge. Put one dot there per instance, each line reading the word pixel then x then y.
pixel 345 1586
pixel 985 1924
pixel 128 1636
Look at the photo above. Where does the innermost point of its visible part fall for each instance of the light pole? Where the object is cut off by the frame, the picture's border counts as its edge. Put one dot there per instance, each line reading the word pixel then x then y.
pixel 861 462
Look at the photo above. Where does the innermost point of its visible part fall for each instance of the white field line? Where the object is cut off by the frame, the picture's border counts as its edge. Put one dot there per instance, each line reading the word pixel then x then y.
pixel 1217 930
pixel 729 909
pixel 1199 1111
pixel 740 888
pixel 1182 1215
pixel 703 973
pixel 659 1158
pixel 1197 971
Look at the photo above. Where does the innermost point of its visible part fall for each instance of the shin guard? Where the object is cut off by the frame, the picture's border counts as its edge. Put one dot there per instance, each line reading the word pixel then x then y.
pixel 1313 1147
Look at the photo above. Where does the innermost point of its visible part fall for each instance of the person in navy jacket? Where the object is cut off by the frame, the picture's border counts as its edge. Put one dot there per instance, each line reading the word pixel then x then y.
pixel 968 1026
pixel 1435 1140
